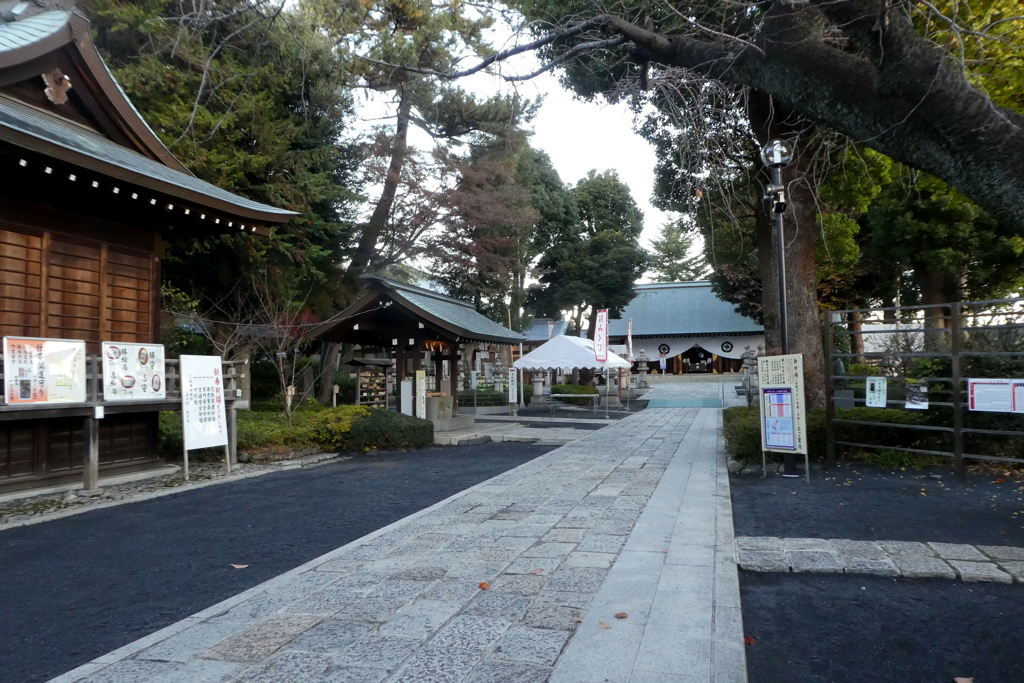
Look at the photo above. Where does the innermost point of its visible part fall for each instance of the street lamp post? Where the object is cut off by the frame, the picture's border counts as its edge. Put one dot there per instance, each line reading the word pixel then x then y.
pixel 775 155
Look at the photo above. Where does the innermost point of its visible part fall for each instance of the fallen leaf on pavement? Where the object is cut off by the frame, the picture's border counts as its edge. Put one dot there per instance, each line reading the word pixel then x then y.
pixel 578 620
pixel 621 615
pixel 604 624
pixel 239 566
pixel 484 585
pixel 999 481
pixel 749 640
pixel 536 571
pixel 963 680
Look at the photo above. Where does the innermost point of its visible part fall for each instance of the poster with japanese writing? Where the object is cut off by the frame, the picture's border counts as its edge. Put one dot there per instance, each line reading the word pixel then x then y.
pixel 202 402
pixel 783 414
pixel 876 392
pixel 40 370
pixel 990 395
pixel 1018 395
pixel 629 341
pixel 513 385
pixel 601 336
pixel 133 372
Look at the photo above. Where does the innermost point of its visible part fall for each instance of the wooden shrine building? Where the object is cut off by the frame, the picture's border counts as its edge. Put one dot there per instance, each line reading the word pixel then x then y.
pixel 409 322
pixel 87 194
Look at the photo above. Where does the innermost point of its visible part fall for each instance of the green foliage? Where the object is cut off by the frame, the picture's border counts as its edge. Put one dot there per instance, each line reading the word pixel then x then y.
pixel 482 398
pixel 671 260
pixel 345 428
pixel 742 430
pixel 249 100
pixel 598 266
pixel 575 389
pixel 355 428
pixel 865 370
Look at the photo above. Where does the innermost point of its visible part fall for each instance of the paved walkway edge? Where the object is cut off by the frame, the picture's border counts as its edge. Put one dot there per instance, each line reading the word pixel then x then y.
pixel 164 633
pixel 676 577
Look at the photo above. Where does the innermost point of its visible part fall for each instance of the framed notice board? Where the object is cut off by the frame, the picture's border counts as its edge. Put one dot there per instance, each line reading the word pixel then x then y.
pixel 783 413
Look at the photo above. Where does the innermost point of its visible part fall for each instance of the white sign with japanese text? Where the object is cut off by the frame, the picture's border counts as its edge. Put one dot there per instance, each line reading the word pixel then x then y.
pixel 40 370
pixel 513 386
pixel 601 336
pixel 202 402
pixel 876 392
pixel 133 372
pixel 783 415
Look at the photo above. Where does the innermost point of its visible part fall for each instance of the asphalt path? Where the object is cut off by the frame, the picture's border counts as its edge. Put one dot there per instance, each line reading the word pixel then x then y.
pixel 76 588
pixel 840 628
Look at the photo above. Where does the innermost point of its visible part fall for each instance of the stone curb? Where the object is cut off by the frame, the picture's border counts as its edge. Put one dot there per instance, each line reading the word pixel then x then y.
pixel 994 564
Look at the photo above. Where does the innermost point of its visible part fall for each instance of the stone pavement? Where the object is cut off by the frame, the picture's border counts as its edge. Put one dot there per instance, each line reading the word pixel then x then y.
pixel 518 430
pixel 519 579
pixel 992 563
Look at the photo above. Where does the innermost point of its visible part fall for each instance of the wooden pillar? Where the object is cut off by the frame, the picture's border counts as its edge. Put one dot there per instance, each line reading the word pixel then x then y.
pixel 399 373
pixel 438 371
pixel 91 478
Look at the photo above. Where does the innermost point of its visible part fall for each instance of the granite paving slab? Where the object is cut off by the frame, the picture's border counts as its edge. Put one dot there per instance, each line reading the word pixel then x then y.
pixel 405 603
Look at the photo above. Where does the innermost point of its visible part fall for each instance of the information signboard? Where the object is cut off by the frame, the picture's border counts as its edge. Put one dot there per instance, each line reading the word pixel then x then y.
pixel 133 372
pixel 783 415
pixel 996 395
pixel 202 402
pixel 421 393
pixel 876 392
pixel 601 336
pixel 38 370
pixel 513 385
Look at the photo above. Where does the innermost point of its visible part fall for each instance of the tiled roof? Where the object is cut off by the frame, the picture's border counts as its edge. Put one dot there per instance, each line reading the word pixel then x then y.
pixel 32 29
pixel 460 316
pixel 678 308
pixel 39 131
pixel 538 330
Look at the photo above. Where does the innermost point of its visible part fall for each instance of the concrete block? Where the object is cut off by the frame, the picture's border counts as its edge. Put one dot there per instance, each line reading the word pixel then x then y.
pixel 893 548
pixel 814 562
pixel 131 671
pixel 958 551
pixel 914 566
pixel 577 579
pixel 491 671
pixel 863 565
pixel 531 645
pixel 763 561
pixel 262 639
pixel 330 637
pixel 868 550
pixel 980 571
pixel 585 559
pixel 295 667
pixel 374 651
pixel 438 665
pixel 768 543
pixel 420 619
pixel 470 632
pixel 1014 569
pixel 814 544
pixel 499 606
pixel 1000 552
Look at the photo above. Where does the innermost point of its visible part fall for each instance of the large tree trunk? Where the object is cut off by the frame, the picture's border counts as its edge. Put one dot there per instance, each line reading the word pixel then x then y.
pixel 855 325
pixel 378 223
pixel 935 290
pixel 768 121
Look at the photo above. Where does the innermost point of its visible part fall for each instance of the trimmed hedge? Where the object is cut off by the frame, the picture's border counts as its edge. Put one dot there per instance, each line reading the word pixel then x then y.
pixel 742 429
pixel 575 389
pixel 347 428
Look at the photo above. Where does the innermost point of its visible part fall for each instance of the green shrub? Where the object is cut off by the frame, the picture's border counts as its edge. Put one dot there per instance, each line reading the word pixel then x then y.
pixel 482 398
pixel 742 429
pixel 356 428
pixel 575 389
pixel 346 387
pixel 865 370
pixel 347 428
pixel 527 393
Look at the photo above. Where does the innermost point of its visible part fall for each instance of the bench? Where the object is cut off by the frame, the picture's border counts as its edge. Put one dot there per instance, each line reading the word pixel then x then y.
pixel 594 398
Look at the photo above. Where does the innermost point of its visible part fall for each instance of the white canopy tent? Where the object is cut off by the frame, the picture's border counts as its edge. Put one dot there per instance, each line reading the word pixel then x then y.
pixel 566 354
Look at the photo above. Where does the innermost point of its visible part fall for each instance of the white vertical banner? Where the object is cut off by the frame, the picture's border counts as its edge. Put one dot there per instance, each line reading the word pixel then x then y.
pixel 421 394
pixel 202 402
pixel 601 336
pixel 407 397
pixel 629 341
pixel 513 386
pixel 551 329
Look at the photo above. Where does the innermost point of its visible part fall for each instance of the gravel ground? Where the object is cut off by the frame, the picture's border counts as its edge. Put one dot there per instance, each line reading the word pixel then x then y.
pixel 868 504
pixel 76 588
pixel 836 628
